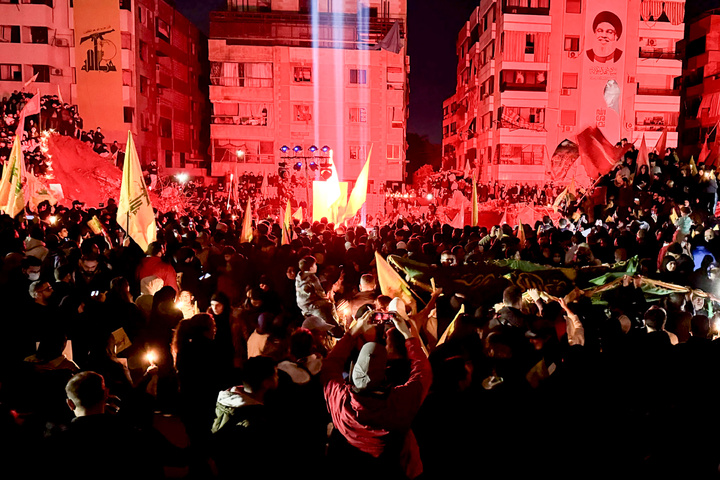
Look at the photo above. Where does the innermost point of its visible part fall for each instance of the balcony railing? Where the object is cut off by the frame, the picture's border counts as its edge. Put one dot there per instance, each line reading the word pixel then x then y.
pixel 510 6
pixel 660 54
pixel 334 30
pixel 655 128
pixel 667 92
pixel 525 87
pixel 237 120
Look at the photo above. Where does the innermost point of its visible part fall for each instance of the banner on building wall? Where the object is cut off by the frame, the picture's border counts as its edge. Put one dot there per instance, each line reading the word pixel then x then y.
pixel 99 65
pixel 603 68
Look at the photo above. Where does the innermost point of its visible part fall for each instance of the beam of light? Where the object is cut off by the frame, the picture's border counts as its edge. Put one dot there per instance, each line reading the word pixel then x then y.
pixel 338 8
pixel 315 30
pixel 363 32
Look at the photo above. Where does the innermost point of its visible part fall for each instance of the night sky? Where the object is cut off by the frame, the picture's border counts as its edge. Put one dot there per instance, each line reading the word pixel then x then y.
pixel 432 31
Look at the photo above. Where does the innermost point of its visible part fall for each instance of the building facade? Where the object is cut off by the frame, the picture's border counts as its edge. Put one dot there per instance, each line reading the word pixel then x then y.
pixel 533 73
pixel 283 73
pixel 129 65
pixel 700 86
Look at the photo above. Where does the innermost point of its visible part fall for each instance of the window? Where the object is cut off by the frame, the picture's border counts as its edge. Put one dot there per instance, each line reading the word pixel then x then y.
pixel 570 80
pixel 302 113
pixel 395 116
pixel 140 13
pixel 143 51
pixel 128 114
pixel 453 128
pixel 10 34
pixel 127 77
pixel 168 159
pixel 11 73
pixel 126 40
pixel 163 30
pixel 165 126
pixel 528 118
pixel 43 73
pixel 572 44
pixel 357 153
pixel 145 121
pixel 358 77
pixel 567 117
pixel 253 114
pixel 573 6
pixel 393 152
pixel 302 74
pixel 530 44
pixel 37 35
pixel 358 115
pixel 395 78
pixel 248 74
pixel 144 84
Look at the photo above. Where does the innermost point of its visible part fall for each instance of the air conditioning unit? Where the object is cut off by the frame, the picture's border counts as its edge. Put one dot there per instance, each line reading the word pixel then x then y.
pixel 56 71
pixel 565 91
pixel 572 54
pixel 631 79
pixel 651 42
pixel 62 42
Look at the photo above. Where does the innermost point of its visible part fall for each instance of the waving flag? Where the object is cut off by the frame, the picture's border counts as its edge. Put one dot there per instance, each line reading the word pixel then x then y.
pixel 475 214
pixel 661 145
pixel 642 158
pixel 359 191
pixel 135 212
pixel 246 235
pixel 287 225
pixel 599 156
pixel 12 199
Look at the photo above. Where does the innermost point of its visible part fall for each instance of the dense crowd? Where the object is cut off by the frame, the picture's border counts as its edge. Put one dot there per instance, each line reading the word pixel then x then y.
pixel 287 359
pixel 55 115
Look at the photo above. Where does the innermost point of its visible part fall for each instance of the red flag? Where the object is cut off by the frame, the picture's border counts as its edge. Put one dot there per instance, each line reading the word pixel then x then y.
pixel 704 153
pixel 598 154
pixel 661 144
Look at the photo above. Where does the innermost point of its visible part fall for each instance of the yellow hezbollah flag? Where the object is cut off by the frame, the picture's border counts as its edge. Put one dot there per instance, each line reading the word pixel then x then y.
pixel 475 216
pixel 12 200
pixel 135 212
pixel 451 328
pixel 246 235
pixel 286 226
pixel 359 191
pixel 298 215
pixel 37 192
pixel 391 283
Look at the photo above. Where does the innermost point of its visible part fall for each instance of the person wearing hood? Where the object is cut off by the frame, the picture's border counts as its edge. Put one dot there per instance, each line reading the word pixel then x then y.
pixel 372 418
pixel 310 295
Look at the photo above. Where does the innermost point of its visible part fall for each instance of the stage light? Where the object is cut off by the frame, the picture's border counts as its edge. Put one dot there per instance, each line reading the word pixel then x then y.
pixel 297 166
pixel 313 166
pixel 284 148
pixel 325 149
pixel 313 149
pixel 182 177
pixel 429 196
pixel 297 148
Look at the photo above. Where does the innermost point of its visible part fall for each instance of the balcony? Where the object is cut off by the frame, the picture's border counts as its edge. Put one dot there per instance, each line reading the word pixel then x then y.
pixel 523 87
pixel 665 92
pixel 295 29
pixel 522 7
pixel 660 54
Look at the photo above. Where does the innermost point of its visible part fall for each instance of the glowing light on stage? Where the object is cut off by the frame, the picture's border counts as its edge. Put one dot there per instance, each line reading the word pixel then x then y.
pixel 429 196
pixel 53 220
pixel 284 148
pixel 182 177
pixel 240 153
pixel 297 148
pixel 325 149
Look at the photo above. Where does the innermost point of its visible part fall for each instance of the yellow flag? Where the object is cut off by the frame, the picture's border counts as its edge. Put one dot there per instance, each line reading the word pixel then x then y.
pixel 359 192
pixel 451 328
pixel 135 213
pixel 287 225
pixel 246 235
pixel 12 199
pixel 673 216
pixel 391 283
pixel 475 217
pixel 521 235
pixel 693 167
pixel 37 192
pixel 298 215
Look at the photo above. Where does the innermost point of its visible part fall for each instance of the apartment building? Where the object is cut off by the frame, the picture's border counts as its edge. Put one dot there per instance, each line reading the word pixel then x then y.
pixel 533 73
pixel 301 74
pixel 134 65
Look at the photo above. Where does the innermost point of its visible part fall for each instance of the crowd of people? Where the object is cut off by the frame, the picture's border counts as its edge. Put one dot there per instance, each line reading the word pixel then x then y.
pixel 55 115
pixel 288 359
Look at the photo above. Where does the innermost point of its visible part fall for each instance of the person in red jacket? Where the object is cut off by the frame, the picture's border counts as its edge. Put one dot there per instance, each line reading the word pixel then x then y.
pixel 372 419
pixel 153 265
